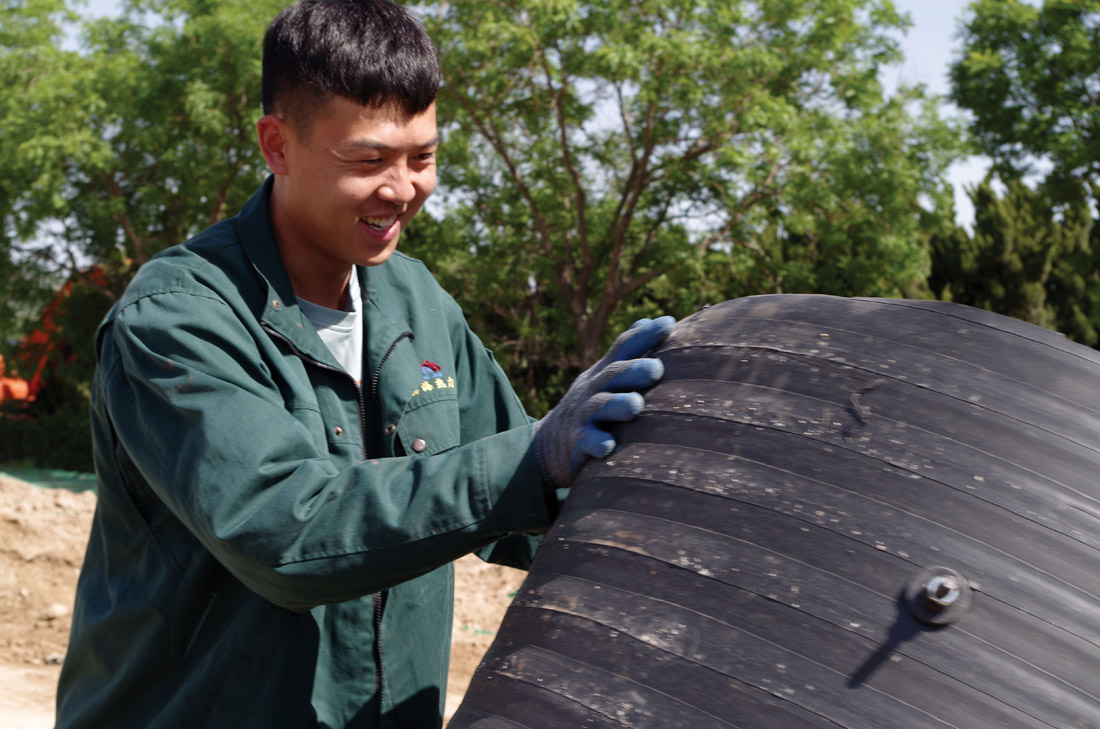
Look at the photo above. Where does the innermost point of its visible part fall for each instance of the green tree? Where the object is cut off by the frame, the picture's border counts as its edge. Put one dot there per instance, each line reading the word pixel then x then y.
pixel 602 161
pixel 608 160
pixel 110 152
pixel 29 33
pixel 1030 77
pixel 128 144
pixel 1026 258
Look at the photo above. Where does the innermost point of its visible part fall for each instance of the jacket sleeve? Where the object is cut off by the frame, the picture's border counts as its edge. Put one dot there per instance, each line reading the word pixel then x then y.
pixel 491 406
pixel 198 413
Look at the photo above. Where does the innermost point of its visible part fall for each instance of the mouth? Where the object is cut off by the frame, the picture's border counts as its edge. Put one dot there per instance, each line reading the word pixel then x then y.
pixel 379 224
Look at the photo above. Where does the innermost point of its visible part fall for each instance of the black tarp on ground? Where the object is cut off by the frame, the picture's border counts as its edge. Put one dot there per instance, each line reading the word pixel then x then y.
pixel 742 559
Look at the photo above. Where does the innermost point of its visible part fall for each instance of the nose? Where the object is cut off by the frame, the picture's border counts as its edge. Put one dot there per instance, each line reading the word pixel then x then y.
pixel 398 187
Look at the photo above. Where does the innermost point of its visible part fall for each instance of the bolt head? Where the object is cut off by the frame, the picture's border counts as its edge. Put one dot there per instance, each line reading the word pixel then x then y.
pixel 942 591
pixel 937 595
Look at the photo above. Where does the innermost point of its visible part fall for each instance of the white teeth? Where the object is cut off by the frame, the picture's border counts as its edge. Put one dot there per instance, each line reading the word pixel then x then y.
pixel 380 223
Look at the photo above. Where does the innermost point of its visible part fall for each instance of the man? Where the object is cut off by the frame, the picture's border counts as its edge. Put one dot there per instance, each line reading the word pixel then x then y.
pixel 295 432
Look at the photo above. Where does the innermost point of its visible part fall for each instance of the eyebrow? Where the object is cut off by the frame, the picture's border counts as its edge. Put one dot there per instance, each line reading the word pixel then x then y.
pixel 363 144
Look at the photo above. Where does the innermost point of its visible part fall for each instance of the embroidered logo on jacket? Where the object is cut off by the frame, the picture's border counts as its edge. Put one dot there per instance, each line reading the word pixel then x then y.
pixel 433 378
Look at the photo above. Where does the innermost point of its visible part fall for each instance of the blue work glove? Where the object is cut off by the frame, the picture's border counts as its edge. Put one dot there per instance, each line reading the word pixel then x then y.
pixel 607 392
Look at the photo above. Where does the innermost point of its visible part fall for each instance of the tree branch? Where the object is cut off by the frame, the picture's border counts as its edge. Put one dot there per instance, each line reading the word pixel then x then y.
pixel 624 212
pixel 115 191
pixel 223 192
pixel 489 131
pixel 83 275
pixel 570 166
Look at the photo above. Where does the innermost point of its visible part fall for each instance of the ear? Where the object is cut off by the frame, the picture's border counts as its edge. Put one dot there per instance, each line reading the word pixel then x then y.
pixel 274 135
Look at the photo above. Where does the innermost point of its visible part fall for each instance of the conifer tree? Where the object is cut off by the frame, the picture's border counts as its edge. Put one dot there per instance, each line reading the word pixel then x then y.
pixel 1026 258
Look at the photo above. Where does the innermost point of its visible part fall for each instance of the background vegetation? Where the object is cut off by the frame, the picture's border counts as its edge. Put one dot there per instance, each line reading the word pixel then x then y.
pixel 602 161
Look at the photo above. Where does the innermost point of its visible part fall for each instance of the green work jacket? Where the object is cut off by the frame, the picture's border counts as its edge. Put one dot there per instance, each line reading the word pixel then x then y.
pixel 272 542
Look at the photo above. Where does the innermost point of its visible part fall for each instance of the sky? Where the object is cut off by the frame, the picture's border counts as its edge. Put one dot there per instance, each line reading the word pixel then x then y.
pixel 930 43
pixel 928 47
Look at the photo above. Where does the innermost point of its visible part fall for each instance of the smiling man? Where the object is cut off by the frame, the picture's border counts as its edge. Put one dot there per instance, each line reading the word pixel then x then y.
pixel 296 433
pixel 346 184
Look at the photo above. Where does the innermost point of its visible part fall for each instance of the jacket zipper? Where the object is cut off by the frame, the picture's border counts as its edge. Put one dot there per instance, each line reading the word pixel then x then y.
pixel 302 355
pixel 379 598
pixel 373 380
pixel 378 370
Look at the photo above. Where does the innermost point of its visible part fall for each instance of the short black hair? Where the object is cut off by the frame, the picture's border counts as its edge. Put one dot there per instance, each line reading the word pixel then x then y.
pixel 373 52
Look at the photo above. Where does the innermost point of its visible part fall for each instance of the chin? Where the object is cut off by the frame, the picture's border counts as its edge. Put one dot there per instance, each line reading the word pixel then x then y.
pixel 377 259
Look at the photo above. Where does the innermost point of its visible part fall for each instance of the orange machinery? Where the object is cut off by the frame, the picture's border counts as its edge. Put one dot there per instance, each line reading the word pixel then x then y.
pixel 13 388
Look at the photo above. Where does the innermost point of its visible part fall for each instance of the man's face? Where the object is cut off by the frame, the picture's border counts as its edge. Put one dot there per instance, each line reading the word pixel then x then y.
pixel 352 184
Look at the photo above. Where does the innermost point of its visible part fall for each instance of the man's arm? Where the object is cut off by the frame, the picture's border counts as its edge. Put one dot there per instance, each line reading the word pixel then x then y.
pixel 209 431
pixel 489 405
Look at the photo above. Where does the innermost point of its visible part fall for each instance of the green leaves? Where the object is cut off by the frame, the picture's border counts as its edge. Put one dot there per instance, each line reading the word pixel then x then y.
pixel 143 135
pixel 1027 257
pixel 1031 78
pixel 121 148
pixel 603 159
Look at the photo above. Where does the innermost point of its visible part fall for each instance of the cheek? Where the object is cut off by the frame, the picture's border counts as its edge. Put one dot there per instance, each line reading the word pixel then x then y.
pixel 426 185
pixel 351 189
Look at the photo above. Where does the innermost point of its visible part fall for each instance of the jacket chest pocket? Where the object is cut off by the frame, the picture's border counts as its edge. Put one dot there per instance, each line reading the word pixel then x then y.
pixel 430 423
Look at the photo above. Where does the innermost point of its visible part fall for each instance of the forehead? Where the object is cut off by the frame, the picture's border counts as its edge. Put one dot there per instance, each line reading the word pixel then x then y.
pixel 344 125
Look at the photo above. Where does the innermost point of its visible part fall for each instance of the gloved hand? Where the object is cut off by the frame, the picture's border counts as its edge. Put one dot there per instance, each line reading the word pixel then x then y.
pixel 605 392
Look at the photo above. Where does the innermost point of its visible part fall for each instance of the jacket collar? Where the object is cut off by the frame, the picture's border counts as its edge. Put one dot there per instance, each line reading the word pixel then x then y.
pixel 385 342
pixel 281 312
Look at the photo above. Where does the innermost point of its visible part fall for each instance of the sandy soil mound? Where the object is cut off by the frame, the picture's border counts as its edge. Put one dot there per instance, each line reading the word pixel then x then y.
pixel 43 533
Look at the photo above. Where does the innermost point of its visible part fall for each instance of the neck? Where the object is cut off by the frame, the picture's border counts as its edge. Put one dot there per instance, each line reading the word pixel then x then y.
pixel 322 295
pixel 314 277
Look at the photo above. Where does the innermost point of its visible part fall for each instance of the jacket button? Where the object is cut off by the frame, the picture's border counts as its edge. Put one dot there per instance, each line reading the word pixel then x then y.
pixel 419 445
pixel 338 430
pixel 276 303
pixel 390 429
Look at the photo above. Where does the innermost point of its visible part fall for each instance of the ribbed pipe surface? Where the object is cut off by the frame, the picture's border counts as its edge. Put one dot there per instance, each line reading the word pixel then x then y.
pixel 755 551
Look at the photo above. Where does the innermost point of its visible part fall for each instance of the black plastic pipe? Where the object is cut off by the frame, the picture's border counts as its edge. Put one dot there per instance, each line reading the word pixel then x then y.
pixel 851 513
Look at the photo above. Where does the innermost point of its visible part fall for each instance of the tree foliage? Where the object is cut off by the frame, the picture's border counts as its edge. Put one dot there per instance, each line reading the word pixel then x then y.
pixel 1026 258
pixel 1030 76
pixel 602 161
pixel 631 157
pixel 126 144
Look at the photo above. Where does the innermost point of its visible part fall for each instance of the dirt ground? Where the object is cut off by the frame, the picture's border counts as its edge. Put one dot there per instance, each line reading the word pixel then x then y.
pixel 43 533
